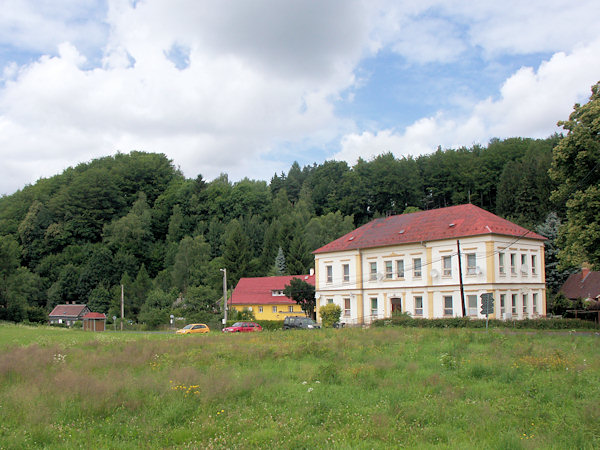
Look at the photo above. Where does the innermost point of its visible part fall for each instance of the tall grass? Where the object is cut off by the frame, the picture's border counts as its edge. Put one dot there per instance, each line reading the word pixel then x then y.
pixel 377 388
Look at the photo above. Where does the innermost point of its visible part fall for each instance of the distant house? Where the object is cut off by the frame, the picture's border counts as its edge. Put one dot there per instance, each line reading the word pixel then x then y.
pixel 583 285
pixel 68 314
pixel 94 321
pixel 264 297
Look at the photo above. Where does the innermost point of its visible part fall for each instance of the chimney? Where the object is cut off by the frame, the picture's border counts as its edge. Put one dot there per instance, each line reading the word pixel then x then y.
pixel 585 270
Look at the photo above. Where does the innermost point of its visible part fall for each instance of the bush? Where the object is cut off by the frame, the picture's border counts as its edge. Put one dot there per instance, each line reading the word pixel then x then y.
pixel 465 322
pixel 330 314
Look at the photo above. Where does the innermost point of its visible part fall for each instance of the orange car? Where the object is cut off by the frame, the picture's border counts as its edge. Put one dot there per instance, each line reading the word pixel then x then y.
pixel 193 328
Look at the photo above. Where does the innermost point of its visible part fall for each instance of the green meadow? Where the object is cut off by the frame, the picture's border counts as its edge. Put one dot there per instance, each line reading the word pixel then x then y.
pixel 349 388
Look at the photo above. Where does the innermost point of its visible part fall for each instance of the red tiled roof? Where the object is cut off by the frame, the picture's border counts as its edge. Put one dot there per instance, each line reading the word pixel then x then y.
pixel 424 226
pixel 94 315
pixel 259 290
pixel 582 286
pixel 67 310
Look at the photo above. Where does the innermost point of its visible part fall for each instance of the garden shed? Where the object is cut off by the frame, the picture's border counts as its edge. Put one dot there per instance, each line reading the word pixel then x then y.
pixel 94 321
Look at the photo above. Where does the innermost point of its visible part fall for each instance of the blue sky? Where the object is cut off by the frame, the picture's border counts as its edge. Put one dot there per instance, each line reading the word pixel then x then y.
pixel 247 87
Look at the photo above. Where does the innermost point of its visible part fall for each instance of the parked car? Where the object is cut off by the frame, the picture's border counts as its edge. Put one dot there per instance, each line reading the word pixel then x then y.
pixel 242 327
pixel 193 328
pixel 291 322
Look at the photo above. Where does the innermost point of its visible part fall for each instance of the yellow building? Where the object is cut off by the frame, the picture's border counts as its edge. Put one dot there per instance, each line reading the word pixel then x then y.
pixel 426 263
pixel 264 297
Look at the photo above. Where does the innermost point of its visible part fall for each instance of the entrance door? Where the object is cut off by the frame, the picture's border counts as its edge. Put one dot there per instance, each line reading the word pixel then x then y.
pixel 396 305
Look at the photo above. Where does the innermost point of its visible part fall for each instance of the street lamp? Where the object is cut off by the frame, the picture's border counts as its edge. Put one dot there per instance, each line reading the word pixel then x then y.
pixel 224 295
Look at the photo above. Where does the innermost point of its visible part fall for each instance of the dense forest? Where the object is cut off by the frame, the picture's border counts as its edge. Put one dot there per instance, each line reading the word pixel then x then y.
pixel 135 220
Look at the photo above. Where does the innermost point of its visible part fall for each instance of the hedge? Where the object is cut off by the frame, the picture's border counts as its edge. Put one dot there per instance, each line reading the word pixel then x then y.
pixel 465 322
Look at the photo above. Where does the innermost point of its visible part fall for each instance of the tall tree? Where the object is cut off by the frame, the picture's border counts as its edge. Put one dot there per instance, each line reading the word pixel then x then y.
pixel 576 169
pixel 236 252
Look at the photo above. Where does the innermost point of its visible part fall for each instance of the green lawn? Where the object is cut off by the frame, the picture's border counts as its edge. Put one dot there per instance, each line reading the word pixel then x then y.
pixel 376 388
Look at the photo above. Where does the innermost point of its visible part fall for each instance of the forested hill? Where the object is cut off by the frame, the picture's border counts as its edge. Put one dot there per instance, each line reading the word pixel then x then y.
pixel 134 219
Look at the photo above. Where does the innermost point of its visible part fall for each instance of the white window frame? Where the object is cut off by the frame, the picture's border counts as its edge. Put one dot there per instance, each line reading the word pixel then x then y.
pixel 513 305
pixel 274 309
pixel 346 271
pixel 471 310
pixel 389 270
pixel 329 270
pixel 291 308
pixel 502 304
pixel 471 263
pixel 347 307
pixel 448 311
pixel 419 305
pixel 501 266
pixel 400 268
pixel 535 303
pixel 446 266
pixel 373 269
pixel 525 305
pixel 513 264
pixel 533 265
pixel 417 268
pixel 260 309
pixel 374 306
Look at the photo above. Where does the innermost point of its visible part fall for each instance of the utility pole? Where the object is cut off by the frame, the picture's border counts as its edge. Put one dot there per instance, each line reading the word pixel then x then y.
pixel 224 295
pixel 462 288
pixel 122 307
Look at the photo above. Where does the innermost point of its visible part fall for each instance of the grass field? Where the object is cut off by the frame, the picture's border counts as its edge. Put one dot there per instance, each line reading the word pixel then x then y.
pixel 349 388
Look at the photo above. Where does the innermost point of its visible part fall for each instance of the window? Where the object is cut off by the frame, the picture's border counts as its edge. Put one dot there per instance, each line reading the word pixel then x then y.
pixel 249 308
pixel 277 293
pixel 533 265
pixel 274 309
pixel 448 308
pixel 329 274
pixel 329 301
pixel 471 264
pixel 447 262
pixel 373 271
pixel 290 308
pixel 417 268
pixel 400 268
pixel 418 306
pixel 514 305
pixel 535 303
pixel 502 303
pixel 525 305
pixel 347 307
pixel 501 263
pixel 260 309
pixel 389 271
pixel 374 306
pixel 346 269
pixel 524 268
pixel 472 302
pixel 513 264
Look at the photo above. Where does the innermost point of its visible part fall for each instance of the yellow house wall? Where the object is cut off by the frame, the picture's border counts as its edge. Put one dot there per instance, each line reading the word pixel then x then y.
pixel 268 314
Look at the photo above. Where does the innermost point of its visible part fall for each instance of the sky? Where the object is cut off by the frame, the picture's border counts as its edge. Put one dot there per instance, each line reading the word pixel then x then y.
pixel 247 87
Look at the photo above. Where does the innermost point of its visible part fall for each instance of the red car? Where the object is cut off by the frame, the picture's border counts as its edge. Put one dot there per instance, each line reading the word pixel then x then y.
pixel 242 327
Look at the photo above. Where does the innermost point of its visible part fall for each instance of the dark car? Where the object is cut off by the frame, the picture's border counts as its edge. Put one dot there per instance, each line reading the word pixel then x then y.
pixel 291 322
pixel 242 327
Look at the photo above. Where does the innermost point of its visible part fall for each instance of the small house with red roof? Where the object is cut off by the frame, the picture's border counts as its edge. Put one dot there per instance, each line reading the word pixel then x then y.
pixel 68 314
pixel 417 263
pixel 264 297
pixel 584 285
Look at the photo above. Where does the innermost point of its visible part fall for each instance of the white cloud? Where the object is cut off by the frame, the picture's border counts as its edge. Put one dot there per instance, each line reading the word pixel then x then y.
pixel 530 104
pixel 99 77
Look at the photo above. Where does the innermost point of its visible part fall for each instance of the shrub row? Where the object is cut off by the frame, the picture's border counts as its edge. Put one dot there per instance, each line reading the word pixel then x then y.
pixel 465 322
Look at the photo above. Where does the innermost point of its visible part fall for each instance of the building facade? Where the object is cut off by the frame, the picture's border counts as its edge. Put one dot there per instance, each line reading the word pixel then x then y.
pixel 264 297
pixel 410 264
